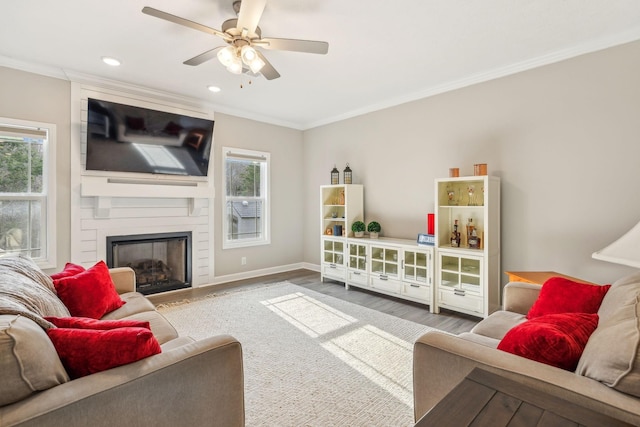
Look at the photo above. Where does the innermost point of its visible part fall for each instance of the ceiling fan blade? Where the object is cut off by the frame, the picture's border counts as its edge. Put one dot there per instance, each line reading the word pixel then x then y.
pixel 267 71
pixel 203 57
pixel 307 46
pixel 249 15
pixel 181 21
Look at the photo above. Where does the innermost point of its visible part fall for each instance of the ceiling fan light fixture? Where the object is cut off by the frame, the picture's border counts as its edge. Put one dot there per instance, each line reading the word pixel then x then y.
pixel 256 65
pixel 226 56
pixel 236 66
pixel 248 54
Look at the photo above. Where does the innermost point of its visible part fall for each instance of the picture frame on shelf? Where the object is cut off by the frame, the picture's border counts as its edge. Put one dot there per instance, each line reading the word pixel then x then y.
pixel 426 239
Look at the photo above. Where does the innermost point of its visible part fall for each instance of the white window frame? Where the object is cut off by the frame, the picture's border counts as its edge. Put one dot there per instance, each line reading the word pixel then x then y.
pixel 239 153
pixel 48 195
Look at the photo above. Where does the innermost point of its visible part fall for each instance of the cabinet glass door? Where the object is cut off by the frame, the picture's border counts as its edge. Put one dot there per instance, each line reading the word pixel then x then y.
pixel 415 266
pixel 333 251
pixel 384 261
pixel 470 274
pixel 461 272
pixel 358 257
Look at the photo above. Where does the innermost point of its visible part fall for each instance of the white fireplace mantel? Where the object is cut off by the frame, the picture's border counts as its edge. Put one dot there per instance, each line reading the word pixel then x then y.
pixel 104 188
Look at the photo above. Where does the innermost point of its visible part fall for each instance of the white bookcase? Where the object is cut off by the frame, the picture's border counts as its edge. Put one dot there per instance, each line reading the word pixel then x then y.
pixel 340 206
pixel 467 277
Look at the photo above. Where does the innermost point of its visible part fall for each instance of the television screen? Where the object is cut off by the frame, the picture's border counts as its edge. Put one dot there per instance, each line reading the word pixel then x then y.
pixel 124 138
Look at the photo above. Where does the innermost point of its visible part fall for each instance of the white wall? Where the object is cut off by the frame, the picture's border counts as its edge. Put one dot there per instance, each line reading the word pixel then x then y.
pixel 29 96
pixel 287 194
pixel 563 138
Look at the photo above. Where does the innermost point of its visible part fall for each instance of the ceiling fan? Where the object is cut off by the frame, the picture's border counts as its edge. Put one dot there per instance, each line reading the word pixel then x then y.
pixel 242 36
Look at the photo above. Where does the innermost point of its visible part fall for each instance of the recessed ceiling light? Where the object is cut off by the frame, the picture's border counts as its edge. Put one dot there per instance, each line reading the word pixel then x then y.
pixel 110 61
pixel 214 89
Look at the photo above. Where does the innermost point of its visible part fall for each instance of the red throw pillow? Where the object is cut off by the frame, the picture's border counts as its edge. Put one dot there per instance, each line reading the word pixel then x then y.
pixel 88 323
pixel 555 339
pixel 90 293
pixel 87 351
pixel 560 295
pixel 69 270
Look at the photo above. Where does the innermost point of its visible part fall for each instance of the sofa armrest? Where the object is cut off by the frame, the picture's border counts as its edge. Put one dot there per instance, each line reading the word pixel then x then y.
pixel 124 279
pixel 197 384
pixel 519 296
pixel 441 361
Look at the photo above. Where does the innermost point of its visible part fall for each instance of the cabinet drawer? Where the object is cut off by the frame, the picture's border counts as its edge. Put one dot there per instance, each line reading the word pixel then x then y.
pixel 385 285
pixel 334 271
pixel 456 299
pixel 357 277
pixel 420 292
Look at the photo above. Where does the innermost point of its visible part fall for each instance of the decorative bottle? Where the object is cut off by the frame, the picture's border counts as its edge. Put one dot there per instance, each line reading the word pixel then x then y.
pixel 455 235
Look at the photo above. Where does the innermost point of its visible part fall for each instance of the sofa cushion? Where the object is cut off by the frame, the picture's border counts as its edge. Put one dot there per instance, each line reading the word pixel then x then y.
pixel 69 270
pixel 555 339
pixel 498 324
pixel 87 351
pixel 28 361
pixel 561 295
pixel 162 329
pixel 612 355
pixel 90 293
pixel 479 339
pixel 622 291
pixel 135 303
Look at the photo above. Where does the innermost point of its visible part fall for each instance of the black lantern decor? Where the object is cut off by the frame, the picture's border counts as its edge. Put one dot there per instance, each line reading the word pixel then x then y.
pixel 335 176
pixel 347 175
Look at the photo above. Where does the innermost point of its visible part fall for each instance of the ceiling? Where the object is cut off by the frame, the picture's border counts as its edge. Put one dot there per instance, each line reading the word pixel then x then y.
pixel 381 52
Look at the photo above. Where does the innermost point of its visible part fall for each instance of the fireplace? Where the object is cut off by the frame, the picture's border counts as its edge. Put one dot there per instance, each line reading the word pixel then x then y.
pixel 161 261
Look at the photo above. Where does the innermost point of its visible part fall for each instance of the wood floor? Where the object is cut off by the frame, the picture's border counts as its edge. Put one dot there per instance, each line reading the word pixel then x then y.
pixel 419 313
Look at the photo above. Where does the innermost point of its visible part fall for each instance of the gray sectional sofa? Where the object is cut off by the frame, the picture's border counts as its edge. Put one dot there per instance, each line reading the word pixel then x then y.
pixel 607 378
pixel 190 382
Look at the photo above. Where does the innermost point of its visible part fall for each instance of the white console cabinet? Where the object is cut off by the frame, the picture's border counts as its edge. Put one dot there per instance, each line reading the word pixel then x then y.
pixel 395 267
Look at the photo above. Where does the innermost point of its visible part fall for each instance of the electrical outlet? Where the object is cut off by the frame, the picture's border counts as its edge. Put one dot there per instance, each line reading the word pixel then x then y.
pixel 243 260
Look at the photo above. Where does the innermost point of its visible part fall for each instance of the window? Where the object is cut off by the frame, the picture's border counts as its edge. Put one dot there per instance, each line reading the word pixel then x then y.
pixel 27 190
pixel 246 203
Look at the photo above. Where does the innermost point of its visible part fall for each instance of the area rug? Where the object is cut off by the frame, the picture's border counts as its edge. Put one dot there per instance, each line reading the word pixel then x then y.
pixel 311 359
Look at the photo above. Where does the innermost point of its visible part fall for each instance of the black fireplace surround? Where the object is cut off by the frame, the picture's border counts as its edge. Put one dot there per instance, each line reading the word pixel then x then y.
pixel 161 261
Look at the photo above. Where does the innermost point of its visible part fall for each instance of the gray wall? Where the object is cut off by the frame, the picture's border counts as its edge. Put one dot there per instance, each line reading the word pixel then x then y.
pixel 285 147
pixel 564 138
pixel 27 96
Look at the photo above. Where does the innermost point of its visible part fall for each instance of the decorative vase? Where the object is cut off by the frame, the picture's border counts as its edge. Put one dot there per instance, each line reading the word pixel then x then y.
pixel 373 235
pixel 358 233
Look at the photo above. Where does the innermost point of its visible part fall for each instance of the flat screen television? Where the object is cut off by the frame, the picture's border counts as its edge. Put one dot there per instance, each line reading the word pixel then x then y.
pixel 126 138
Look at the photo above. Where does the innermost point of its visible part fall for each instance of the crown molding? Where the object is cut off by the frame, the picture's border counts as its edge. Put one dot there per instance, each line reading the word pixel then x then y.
pixel 496 73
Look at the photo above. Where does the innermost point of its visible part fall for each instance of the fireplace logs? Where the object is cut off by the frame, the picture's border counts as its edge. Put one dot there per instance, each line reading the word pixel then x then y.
pixel 150 271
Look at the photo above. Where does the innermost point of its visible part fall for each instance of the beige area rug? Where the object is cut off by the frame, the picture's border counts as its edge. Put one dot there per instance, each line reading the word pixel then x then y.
pixel 311 359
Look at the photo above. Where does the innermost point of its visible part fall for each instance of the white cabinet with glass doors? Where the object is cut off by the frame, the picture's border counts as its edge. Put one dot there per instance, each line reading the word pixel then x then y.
pixel 396 267
pixel 333 258
pixel 467 244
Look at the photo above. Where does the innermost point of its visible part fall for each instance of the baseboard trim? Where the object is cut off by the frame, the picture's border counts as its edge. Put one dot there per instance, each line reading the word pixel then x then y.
pixel 261 272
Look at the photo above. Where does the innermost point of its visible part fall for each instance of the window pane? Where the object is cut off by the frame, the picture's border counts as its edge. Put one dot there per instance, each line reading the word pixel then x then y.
pixel 244 219
pixel 20 227
pixel 37 157
pixel 14 174
pixel 243 178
